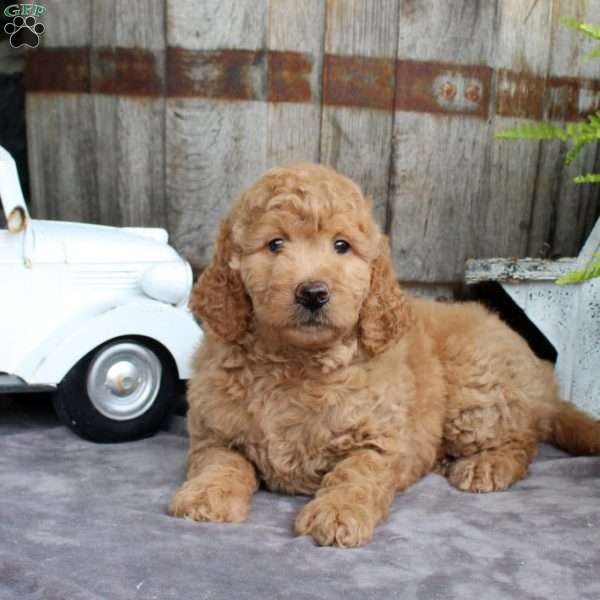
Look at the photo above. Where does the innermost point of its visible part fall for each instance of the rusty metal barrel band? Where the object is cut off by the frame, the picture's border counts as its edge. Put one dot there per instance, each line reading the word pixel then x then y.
pixel 360 82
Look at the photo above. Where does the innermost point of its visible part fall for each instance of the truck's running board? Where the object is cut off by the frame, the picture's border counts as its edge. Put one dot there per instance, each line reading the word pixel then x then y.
pixel 11 384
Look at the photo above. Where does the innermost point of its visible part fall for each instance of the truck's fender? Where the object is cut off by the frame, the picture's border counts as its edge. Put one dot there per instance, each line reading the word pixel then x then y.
pixel 172 327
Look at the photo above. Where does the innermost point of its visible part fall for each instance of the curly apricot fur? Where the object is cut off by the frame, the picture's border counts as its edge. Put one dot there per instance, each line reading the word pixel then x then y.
pixel 356 405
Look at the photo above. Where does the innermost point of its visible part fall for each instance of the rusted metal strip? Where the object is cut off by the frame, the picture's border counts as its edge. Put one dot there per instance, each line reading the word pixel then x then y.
pixel 569 99
pixel 351 81
pixel 535 97
pixel 358 82
pixel 433 87
pixel 519 94
pixel 224 74
pixel 64 70
pixel 126 72
pixel 239 75
pixel 119 71
pixel 288 78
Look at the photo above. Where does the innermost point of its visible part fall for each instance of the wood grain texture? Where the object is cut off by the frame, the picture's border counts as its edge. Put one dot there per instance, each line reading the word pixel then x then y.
pixel 213 148
pixel 566 212
pixel 458 30
pixel 294 129
pixel 216 24
pixel 67 22
pixel 130 24
pixel 130 136
pixel 362 27
pixel 439 164
pixel 12 105
pixel 437 176
pixel 178 106
pixel 130 161
pixel 62 167
pixel 213 152
pixel 61 129
pixel 522 44
pixel 358 141
pixel 561 213
pixel 293 133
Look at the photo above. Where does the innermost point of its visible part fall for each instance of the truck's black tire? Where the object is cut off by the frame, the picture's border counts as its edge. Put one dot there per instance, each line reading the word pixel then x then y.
pixel 76 410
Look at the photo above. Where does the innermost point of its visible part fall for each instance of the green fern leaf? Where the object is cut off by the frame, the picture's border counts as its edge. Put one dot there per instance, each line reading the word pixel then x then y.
pixel 589 178
pixel 584 131
pixel 594 119
pixel 593 54
pixel 532 131
pixel 591 272
pixel 574 151
pixel 585 28
pixel 569 278
pixel 573 130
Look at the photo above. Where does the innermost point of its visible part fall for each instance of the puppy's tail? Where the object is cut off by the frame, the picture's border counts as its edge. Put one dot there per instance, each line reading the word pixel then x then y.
pixel 572 430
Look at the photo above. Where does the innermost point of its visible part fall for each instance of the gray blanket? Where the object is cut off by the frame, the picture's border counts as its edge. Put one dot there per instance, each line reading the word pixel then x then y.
pixel 80 521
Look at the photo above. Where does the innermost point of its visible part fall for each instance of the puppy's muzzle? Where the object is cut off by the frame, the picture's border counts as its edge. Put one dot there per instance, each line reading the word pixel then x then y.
pixel 312 295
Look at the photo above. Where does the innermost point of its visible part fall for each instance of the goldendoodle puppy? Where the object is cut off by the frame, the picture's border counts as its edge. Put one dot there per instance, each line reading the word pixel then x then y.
pixel 319 375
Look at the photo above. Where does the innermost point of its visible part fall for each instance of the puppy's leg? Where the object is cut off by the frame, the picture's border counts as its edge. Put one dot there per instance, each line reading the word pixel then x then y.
pixel 352 499
pixel 219 487
pixel 492 470
pixel 493 445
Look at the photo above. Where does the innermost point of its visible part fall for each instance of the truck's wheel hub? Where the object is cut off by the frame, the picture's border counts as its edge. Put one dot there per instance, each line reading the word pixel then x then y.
pixel 123 380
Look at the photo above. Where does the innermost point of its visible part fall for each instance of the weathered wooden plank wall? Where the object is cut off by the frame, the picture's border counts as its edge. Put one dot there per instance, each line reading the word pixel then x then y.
pixel 356 135
pixel 573 209
pixel 214 147
pixel 148 112
pixel 61 131
pixel 439 160
pixel 130 130
pixel 294 127
pixel 12 104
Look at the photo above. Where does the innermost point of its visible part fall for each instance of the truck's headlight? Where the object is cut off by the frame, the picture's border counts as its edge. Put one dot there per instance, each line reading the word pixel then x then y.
pixel 168 282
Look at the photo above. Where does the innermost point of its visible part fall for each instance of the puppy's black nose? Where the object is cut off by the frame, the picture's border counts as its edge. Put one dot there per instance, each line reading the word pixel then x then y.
pixel 312 294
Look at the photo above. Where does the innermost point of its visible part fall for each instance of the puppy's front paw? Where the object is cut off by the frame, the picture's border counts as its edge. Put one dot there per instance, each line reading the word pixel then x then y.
pixel 485 472
pixel 331 522
pixel 220 502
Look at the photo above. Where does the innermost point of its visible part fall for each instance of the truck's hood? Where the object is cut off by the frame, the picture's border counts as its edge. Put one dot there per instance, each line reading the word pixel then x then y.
pixel 59 241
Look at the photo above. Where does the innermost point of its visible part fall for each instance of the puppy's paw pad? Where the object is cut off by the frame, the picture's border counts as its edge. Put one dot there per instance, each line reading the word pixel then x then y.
pixel 215 503
pixel 335 524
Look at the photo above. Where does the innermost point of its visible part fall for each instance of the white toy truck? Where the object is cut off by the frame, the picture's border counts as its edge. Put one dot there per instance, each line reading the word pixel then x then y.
pixel 96 314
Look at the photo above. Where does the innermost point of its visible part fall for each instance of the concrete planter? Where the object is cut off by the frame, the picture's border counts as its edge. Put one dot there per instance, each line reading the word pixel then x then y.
pixel 568 315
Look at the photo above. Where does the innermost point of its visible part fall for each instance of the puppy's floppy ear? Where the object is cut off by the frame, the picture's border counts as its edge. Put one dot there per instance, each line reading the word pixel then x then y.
pixel 219 298
pixel 385 314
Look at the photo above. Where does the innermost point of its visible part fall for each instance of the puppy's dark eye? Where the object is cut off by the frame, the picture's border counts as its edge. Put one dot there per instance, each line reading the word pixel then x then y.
pixel 341 246
pixel 276 245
